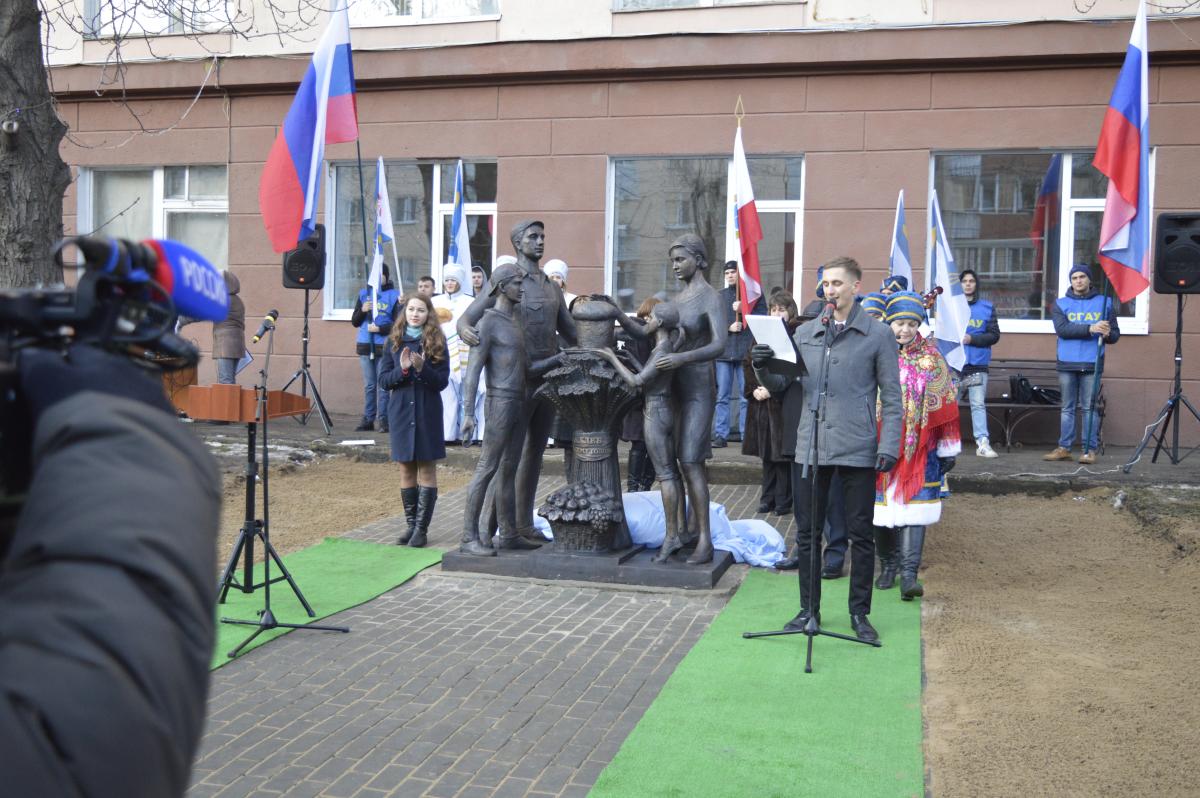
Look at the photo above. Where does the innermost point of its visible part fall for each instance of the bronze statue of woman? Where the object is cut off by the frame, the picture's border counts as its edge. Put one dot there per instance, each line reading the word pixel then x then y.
pixel 693 385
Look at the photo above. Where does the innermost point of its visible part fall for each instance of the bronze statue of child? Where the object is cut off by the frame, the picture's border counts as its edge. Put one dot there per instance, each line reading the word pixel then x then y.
pixel 501 350
pixel 658 418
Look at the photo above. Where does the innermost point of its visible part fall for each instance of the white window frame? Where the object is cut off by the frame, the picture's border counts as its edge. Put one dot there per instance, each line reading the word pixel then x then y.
pixel 617 9
pixel 417 17
pixel 161 207
pixel 1137 324
pixel 138 25
pixel 795 206
pixel 441 210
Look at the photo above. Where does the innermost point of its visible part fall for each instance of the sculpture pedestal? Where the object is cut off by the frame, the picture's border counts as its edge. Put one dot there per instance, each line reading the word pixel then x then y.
pixel 631 566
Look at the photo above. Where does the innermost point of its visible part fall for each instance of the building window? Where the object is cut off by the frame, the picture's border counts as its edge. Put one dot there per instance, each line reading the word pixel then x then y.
pixel 189 204
pixel 655 200
pixel 124 18
pixel 659 5
pixel 375 12
pixel 1021 220
pixel 412 189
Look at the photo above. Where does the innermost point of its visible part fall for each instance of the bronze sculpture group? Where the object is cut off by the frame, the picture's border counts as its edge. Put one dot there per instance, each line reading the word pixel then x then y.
pixel 542 357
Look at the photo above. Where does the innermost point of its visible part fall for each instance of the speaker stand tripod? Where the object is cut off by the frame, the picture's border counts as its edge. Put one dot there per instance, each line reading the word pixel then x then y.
pixel 306 380
pixel 1170 411
pixel 253 528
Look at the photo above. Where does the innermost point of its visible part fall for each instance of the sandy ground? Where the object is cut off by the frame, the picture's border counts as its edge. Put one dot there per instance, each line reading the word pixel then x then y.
pixel 321 499
pixel 1060 648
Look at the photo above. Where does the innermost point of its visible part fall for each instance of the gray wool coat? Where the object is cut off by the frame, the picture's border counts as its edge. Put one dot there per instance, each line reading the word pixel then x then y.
pixel 863 365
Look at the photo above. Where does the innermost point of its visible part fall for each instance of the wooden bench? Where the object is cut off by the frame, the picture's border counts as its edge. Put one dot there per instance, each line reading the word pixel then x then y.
pixel 1009 414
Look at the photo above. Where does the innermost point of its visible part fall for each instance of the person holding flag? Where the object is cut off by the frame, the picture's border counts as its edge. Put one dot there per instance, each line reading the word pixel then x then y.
pixel 1085 321
pixel 373 316
pixel 324 111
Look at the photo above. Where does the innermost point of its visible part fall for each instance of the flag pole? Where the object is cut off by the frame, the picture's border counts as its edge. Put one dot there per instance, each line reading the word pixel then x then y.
pixel 362 191
pixel 739 113
pixel 1097 369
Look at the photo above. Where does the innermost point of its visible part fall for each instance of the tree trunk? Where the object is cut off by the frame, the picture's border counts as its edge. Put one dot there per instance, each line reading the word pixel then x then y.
pixel 33 177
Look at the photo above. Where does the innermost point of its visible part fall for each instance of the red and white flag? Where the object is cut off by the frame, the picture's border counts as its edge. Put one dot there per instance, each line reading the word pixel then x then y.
pixel 746 227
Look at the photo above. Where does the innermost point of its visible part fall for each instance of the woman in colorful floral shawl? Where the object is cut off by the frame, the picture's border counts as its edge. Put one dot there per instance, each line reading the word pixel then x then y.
pixel 909 497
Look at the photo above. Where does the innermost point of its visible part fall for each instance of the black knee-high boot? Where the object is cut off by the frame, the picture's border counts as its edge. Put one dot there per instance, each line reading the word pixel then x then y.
pixel 426 500
pixel 634 468
pixel 889 561
pixel 912 541
pixel 408 496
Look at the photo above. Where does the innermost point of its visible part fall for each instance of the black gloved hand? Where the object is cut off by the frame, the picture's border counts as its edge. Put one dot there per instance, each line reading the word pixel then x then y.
pixel 884 463
pixel 760 354
pixel 948 464
pixel 48 377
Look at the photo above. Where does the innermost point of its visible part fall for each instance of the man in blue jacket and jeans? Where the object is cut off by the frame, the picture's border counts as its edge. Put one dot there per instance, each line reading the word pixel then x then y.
pixel 983 331
pixel 1084 321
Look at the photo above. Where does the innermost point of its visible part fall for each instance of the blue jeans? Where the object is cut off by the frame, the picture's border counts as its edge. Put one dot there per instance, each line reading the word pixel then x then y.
pixel 1078 386
pixel 226 370
pixel 977 396
pixel 729 374
pixel 374 397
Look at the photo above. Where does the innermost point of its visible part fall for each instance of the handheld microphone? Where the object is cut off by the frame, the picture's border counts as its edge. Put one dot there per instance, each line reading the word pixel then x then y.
pixel 827 313
pixel 268 324
pixel 195 286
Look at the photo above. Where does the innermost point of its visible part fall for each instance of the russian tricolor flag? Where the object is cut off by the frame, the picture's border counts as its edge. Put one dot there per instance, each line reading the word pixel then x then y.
pixel 324 112
pixel 1123 155
pixel 746 226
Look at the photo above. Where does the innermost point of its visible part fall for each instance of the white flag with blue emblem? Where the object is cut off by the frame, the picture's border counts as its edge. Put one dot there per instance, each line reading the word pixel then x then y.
pixel 384 233
pixel 953 312
pixel 460 238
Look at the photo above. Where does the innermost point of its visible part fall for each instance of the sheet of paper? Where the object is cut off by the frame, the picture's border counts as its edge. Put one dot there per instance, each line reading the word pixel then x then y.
pixel 770 330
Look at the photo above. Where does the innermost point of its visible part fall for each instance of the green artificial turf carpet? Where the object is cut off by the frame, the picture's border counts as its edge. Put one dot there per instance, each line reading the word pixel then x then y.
pixel 741 718
pixel 334 575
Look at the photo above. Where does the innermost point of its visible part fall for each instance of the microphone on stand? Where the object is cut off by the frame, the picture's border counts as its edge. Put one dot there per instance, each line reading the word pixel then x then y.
pixel 267 324
pixel 827 313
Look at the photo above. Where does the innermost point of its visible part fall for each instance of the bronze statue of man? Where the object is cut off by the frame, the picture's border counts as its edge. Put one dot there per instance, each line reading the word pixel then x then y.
pixel 543 315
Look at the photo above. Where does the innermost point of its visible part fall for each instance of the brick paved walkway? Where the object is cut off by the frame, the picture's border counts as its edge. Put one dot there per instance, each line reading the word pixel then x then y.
pixel 452 685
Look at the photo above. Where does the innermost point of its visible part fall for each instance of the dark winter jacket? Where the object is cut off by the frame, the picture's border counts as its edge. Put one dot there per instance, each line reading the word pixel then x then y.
pixel 631 427
pixel 766 421
pixel 414 404
pixel 737 344
pixel 1072 315
pixel 984 330
pixel 106 604
pixel 790 391
pixel 383 317
pixel 229 336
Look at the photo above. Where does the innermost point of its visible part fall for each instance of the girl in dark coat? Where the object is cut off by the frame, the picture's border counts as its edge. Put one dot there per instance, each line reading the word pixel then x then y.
pixel 414 372
pixel 766 429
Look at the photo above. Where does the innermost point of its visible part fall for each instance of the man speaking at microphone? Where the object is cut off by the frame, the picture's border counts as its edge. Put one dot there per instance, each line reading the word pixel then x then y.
pixel 862 366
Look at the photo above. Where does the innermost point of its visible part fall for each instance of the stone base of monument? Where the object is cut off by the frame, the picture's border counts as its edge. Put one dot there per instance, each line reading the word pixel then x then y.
pixel 630 566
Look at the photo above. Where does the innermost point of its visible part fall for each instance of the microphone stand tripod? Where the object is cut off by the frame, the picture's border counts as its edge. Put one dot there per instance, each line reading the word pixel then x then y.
pixel 810 470
pixel 253 528
pixel 305 377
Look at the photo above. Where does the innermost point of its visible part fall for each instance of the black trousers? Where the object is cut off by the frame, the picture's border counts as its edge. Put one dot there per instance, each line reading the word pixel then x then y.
pixel 777 484
pixel 858 491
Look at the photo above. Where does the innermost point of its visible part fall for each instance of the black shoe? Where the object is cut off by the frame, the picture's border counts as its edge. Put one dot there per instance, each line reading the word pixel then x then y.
pixel 765 507
pixel 863 629
pixel 832 571
pixel 789 563
pixel 783 510
pixel 887 578
pixel 409 498
pixel 910 588
pixel 426 501
pixel 382 426
pixel 800 621
pixel 719 443
pixel 366 425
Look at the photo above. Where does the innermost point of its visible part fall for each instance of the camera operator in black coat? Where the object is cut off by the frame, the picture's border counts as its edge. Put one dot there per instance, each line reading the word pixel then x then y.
pixel 107 583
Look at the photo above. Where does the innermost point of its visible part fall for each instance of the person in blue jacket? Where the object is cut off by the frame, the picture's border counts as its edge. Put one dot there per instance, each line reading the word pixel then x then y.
pixel 983 331
pixel 374 322
pixel 416 369
pixel 1083 320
